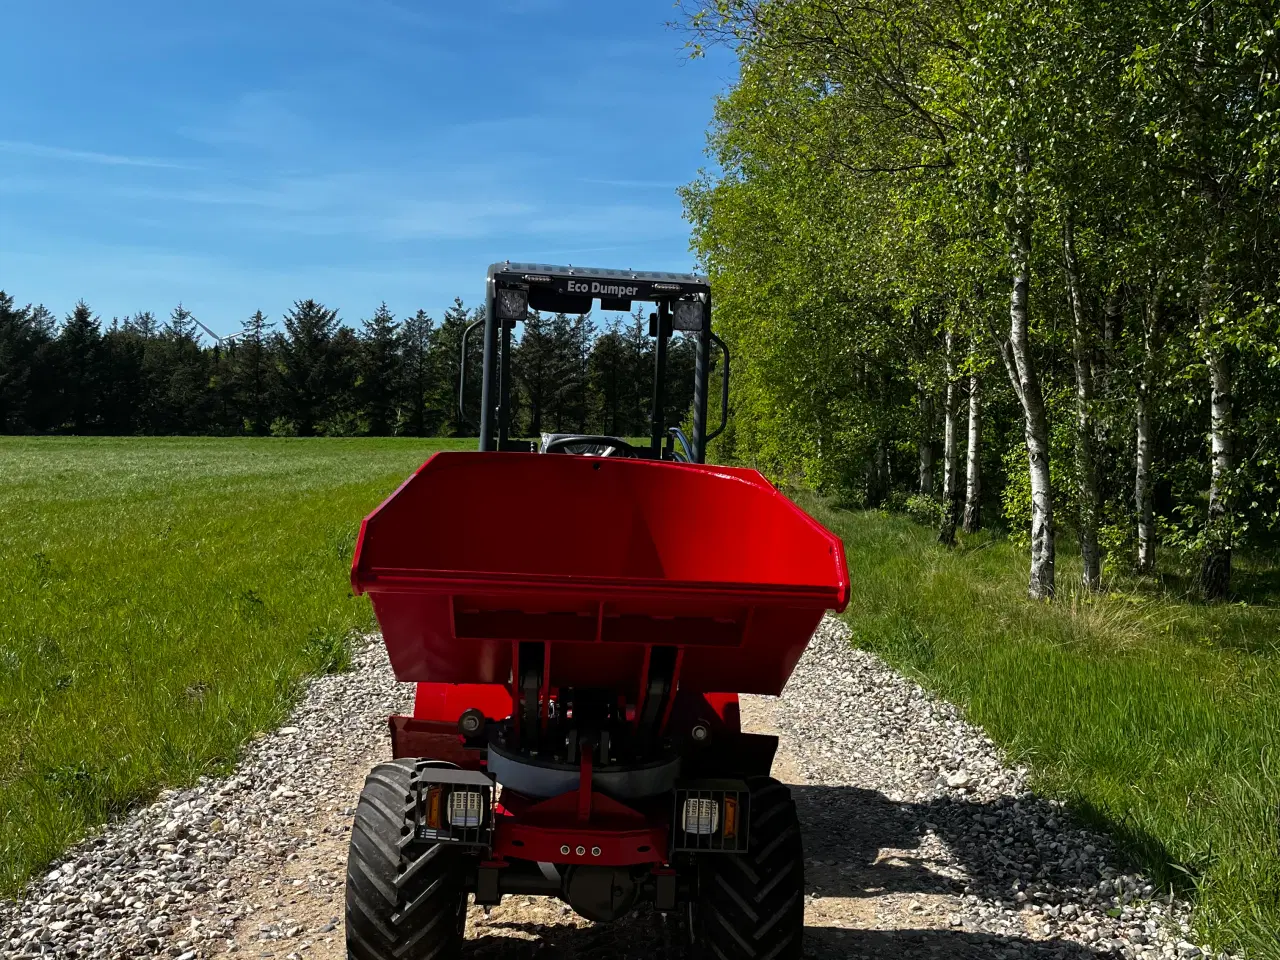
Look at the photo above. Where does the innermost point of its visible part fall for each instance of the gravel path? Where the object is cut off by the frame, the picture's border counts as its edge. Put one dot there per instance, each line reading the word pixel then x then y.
pixel 220 866
pixel 921 843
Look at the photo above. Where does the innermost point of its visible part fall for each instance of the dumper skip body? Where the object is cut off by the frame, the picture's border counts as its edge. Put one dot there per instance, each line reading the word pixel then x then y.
pixel 579 619
pixel 601 559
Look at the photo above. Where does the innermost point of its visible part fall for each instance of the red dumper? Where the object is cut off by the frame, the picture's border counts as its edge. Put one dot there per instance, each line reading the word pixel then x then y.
pixel 579 628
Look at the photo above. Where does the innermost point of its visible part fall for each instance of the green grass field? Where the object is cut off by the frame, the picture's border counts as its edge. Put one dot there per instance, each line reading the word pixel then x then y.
pixel 162 598
pixel 1158 718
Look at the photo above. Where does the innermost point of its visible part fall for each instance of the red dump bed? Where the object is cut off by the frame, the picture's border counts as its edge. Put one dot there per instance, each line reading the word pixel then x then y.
pixel 602 558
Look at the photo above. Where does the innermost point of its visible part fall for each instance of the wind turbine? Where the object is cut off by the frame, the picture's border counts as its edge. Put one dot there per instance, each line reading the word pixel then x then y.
pixel 219 341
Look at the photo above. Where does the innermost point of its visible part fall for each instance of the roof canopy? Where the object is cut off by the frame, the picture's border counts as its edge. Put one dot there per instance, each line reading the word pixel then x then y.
pixel 571 289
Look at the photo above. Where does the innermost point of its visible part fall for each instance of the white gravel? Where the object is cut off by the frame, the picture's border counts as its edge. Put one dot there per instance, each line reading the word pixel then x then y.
pixel 160 882
pixel 921 842
pixel 1009 873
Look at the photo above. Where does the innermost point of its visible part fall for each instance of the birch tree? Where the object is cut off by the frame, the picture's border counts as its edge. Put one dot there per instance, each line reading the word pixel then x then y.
pixel 1103 172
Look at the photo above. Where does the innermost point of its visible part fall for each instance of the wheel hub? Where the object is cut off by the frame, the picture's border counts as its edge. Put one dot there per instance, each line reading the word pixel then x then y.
pixel 600 894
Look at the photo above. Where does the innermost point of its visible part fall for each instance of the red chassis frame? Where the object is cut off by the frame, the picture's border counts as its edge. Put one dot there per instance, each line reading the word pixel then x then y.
pixel 578 827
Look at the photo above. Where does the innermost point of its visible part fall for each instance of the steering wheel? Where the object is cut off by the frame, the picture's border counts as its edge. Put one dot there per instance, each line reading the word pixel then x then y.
pixel 612 446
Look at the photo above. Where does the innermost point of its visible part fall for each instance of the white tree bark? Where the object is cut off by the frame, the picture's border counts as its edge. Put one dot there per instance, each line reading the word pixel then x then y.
pixel 877 478
pixel 925 444
pixel 883 481
pixel 951 494
pixel 1144 447
pixel 1215 573
pixel 1090 507
pixel 1025 380
pixel 973 459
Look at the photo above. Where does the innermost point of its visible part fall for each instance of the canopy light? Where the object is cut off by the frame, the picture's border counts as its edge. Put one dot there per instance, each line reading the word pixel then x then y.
pixel 687 315
pixel 512 304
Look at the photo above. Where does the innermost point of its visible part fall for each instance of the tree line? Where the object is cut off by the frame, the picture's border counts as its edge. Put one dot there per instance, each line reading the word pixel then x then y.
pixel 1007 255
pixel 316 376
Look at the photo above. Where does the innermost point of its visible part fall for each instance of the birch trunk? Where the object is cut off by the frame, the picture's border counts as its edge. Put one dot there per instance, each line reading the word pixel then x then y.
pixel 1026 384
pixel 926 442
pixel 879 481
pixel 1215 574
pixel 1215 571
pixel 1086 461
pixel 884 482
pixel 973 461
pixel 1142 486
pixel 1112 329
pixel 951 501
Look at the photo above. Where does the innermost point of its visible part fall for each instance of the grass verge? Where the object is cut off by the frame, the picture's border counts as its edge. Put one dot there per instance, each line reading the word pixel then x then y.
pixel 162 599
pixel 1158 718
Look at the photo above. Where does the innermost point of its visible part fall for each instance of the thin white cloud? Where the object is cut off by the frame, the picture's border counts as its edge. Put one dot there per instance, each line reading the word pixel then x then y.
pixel 525 7
pixel 220 290
pixel 394 206
pixel 386 206
pixel 264 120
pixel 620 221
pixel 626 245
pixel 435 219
pixel 636 184
pixel 385 15
pixel 47 152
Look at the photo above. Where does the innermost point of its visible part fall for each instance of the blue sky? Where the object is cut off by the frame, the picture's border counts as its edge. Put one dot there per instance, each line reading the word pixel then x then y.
pixel 238 156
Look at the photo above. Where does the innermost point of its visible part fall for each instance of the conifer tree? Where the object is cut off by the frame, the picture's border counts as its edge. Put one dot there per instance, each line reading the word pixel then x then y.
pixel 378 372
pixel 308 365
pixel 79 359
pixel 415 363
pixel 253 375
pixel 19 340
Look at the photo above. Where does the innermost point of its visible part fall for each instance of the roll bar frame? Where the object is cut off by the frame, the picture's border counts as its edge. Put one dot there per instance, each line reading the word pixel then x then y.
pixel 576 290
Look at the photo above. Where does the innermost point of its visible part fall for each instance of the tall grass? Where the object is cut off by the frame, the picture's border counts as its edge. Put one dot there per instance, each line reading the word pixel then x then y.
pixel 160 601
pixel 1157 717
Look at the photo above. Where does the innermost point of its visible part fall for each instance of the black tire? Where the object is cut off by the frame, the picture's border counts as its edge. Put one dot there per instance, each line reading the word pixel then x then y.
pixel 751 906
pixel 404 898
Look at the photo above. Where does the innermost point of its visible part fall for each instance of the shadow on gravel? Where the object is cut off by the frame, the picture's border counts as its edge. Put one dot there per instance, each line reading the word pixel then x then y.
pixel 826 942
pixel 642 935
pixel 846 829
pixel 860 843
pixel 639 938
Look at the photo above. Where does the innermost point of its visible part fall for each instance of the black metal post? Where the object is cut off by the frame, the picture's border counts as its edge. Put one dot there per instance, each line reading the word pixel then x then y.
pixel 487 382
pixel 701 385
pixel 462 371
pixel 659 418
pixel 504 405
pixel 724 387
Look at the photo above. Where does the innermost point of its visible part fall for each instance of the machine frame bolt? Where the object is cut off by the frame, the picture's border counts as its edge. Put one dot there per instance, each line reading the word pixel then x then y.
pixel 471 722
pixel 581 851
pixel 595 851
pixel 564 851
pixel 700 732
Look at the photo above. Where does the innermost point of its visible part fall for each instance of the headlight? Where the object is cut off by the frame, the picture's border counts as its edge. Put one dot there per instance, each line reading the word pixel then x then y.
pixel 466 808
pixel 701 817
